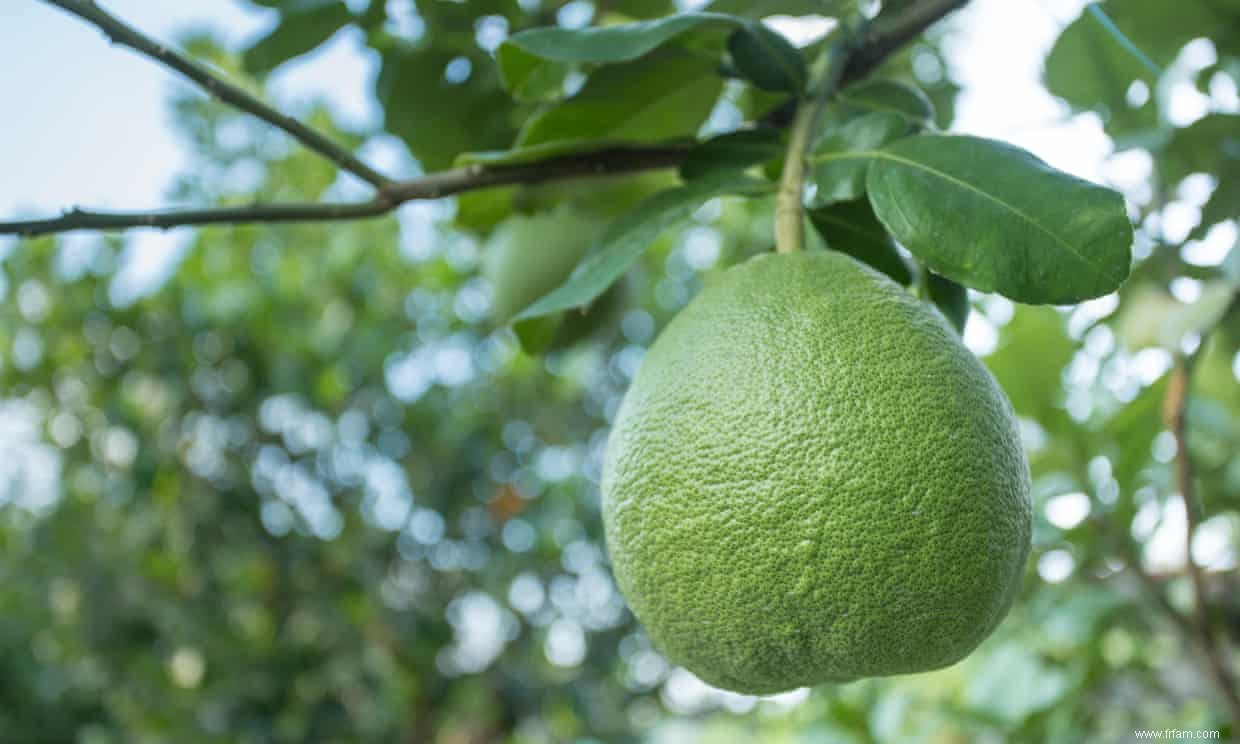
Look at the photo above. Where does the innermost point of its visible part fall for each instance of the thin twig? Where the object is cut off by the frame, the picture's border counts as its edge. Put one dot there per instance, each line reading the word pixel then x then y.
pixel 121 33
pixel 605 162
pixel 881 40
pixel 888 34
pixel 1175 406
pixel 82 219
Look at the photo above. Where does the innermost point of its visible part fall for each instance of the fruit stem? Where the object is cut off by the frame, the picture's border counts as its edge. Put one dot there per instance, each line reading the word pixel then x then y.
pixel 789 204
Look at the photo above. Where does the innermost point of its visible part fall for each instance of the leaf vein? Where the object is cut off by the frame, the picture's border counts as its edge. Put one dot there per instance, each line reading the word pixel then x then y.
pixel 990 197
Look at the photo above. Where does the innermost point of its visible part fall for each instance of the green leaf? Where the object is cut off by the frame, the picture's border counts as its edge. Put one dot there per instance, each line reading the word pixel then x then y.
pixel 840 160
pixel 1224 201
pixel 1090 70
pixel 1011 683
pixel 302 27
pixel 1202 147
pixel 889 96
pixel 949 297
pixel 1209 145
pixel 1099 55
pixel 528 77
pixel 1203 315
pixel 732 151
pixel 768 60
pixel 661 96
pixel 606 44
pixel 538 153
pixel 763 8
pixel 435 118
pixel 996 218
pixel 632 234
pixel 851 227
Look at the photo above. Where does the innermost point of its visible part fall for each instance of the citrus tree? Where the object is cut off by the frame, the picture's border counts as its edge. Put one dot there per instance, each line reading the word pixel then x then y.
pixel 346 474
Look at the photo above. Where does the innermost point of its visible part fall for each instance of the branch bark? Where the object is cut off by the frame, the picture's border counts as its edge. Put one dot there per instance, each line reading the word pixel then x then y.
pixel 883 38
pixel 888 34
pixel 1213 645
pixel 603 162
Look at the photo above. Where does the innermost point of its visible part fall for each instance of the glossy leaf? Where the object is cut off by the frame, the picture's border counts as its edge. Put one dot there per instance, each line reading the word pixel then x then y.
pixel 840 160
pixel 302 28
pixel 732 151
pixel 632 234
pixel 529 77
pixel 1209 145
pixel 996 218
pixel 889 96
pixel 1097 58
pixel 1090 70
pixel 1029 362
pixel 768 60
pixel 851 227
pixel 949 297
pixel 537 335
pixel 658 97
pixel 443 119
pixel 765 8
pixel 607 44
pixel 537 153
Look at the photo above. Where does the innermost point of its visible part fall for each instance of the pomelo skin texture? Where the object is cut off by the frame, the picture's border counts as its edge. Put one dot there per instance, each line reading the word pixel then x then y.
pixel 812 480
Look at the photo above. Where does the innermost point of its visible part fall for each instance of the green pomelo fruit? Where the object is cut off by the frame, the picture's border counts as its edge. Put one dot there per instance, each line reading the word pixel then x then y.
pixel 812 480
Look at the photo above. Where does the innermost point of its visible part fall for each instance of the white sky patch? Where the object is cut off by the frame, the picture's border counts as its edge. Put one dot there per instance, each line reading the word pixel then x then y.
pixel 1150 364
pixel 1214 247
pixel 1185 289
pixel 1056 566
pixel 1214 543
pixel 340 74
pixel 149 258
pixel 801 30
pixel 1178 220
pixel 566 643
pixel 684 693
pixel 481 630
pixel 29 473
pixel 1163 551
pixel 1182 102
pixel 1067 510
pixel 996 52
pixel 980 335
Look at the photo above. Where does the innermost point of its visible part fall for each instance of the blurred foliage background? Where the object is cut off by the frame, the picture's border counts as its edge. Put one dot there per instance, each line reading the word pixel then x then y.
pixel 306 490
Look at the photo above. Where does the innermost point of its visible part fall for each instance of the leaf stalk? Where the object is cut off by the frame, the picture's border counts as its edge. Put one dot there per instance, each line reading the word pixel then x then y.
pixel 825 79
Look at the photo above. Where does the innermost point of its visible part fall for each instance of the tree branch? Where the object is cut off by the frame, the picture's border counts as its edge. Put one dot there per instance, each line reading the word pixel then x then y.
pixel 889 34
pixel 82 219
pixel 883 38
pixel 1214 646
pixel 121 33
pixel 604 162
